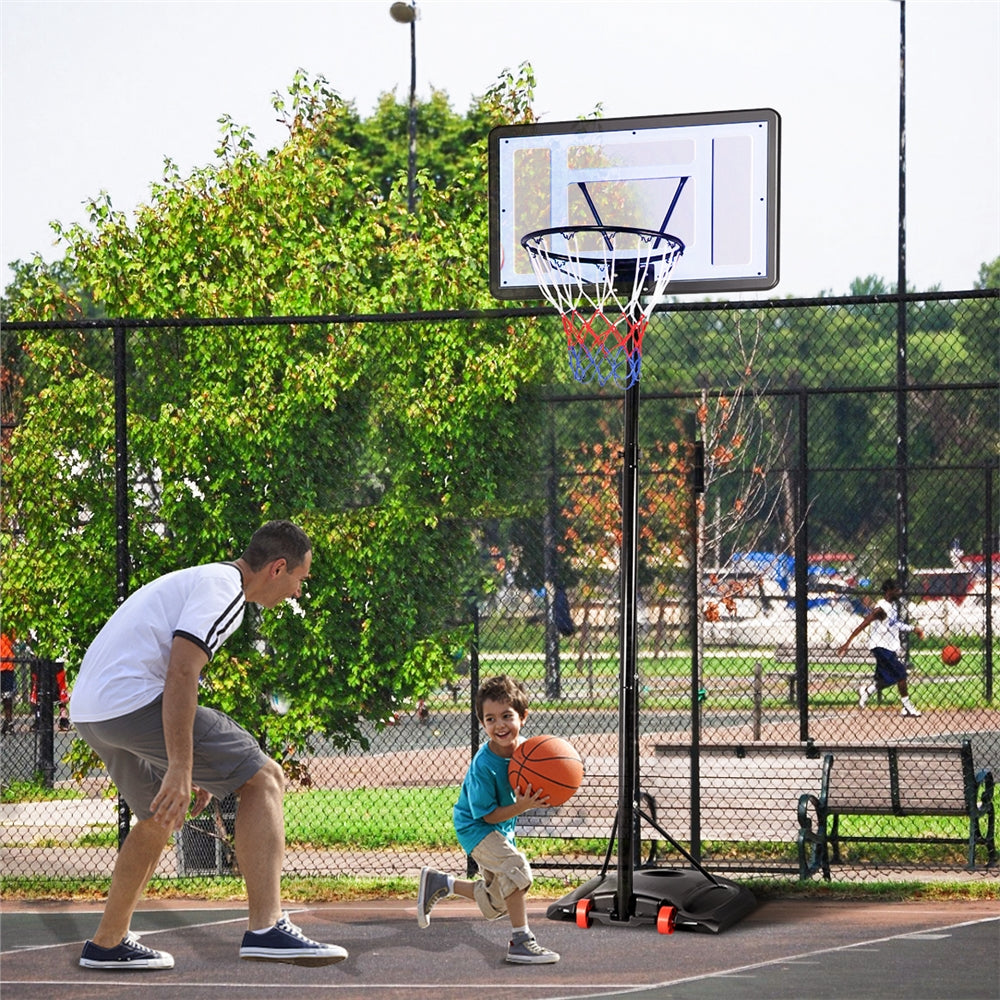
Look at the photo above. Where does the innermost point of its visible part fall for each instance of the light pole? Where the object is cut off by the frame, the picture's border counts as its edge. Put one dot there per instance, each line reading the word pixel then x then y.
pixel 902 376
pixel 406 13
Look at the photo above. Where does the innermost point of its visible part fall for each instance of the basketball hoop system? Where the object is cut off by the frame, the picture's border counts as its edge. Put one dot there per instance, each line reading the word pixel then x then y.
pixel 605 281
pixel 595 277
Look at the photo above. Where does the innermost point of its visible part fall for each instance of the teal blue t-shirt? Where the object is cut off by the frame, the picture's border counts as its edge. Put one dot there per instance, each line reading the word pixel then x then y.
pixel 484 788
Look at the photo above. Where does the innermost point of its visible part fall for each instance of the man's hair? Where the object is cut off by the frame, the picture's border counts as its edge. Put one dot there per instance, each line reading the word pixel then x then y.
pixel 277 540
pixel 888 585
pixel 505 690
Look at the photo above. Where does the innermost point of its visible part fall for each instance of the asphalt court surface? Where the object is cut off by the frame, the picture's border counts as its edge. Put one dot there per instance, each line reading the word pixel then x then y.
pixel 796 949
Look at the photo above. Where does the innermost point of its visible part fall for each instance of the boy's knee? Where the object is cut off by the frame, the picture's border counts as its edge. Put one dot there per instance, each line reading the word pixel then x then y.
pixel 518 876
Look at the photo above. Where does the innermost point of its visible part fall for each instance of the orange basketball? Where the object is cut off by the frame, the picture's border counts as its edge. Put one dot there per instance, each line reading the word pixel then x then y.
pixel 951 655
pixel 546 762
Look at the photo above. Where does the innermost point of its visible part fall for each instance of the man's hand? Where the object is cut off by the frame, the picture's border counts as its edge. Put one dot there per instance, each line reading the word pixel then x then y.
pixel 180 702
pixel 170 806
pixel 201 799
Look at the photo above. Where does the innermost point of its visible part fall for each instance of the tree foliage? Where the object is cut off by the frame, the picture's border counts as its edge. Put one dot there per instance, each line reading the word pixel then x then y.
pixel 382 442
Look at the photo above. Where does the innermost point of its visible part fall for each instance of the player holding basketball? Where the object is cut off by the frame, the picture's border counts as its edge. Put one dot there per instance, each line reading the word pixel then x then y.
pixel 136 703
pixel 484 818
pixel 886 647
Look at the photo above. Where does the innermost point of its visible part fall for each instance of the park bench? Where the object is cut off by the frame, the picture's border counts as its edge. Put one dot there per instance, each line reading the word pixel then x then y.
pixel 853 655
pixel 747 792
pixel 895 780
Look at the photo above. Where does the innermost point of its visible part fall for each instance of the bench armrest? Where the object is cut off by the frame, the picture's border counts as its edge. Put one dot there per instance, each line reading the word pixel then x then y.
pixel 984 791
pixel 807 799
pixel 983 810
pixel 813 852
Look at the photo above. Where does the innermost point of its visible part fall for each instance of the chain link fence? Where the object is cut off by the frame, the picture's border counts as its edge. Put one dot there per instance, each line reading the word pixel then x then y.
pixel 825 474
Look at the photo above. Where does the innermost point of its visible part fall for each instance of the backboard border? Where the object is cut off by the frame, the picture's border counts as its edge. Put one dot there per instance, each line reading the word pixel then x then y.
pixel 596 125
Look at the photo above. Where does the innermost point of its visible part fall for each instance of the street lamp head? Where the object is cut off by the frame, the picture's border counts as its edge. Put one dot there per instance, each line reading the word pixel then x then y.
pixel 404 13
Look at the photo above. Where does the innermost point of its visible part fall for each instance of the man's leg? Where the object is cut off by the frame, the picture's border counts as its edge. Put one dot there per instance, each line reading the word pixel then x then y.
pixel 133 869
pixel 260 843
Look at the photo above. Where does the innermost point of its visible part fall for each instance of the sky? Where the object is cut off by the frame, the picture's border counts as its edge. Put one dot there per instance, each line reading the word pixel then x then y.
pixel 96 94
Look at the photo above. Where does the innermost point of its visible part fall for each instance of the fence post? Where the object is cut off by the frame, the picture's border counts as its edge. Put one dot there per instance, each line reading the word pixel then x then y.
pixel 470 866
pixel 758 698
pixel 553 672
pixel 801 549
pixel 990 543
pixel 122 562
pixel 45 672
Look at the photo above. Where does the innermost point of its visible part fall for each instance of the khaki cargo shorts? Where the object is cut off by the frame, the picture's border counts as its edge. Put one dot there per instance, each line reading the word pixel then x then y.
pixel 504 869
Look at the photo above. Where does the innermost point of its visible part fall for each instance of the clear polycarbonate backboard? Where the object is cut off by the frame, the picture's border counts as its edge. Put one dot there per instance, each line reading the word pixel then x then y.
pixel 709 180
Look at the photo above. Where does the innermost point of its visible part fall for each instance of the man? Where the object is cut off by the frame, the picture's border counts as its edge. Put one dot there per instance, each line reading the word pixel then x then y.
pixel 135 702
pixel 886 646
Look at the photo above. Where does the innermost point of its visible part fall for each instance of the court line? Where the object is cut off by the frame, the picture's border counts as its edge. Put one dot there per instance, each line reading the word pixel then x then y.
pixel 132 978
pixel 142 934
pixel 618 988
pixel 778 961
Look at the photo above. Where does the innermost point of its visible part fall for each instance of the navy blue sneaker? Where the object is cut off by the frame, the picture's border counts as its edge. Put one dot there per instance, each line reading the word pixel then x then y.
pixel 284 942
pixel 130 954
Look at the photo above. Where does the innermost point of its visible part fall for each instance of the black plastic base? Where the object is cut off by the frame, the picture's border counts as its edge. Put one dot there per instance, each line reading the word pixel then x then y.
pixel 701 904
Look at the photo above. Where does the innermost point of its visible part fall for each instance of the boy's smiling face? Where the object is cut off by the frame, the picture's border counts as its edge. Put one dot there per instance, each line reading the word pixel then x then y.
pixel 503 726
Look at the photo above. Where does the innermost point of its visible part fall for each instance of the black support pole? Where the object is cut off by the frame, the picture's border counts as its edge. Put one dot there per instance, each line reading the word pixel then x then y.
pixel 628 702
pixel 697 616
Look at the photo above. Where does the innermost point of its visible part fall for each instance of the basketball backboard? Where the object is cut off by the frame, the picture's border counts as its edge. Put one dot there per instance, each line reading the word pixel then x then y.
pixel 709 180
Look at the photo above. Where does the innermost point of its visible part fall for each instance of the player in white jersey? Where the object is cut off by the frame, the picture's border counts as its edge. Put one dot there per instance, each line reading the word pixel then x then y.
pixel 886 647
pixel 135 701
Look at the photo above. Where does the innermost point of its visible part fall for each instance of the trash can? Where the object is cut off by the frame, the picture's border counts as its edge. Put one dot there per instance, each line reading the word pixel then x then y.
pixel 205 845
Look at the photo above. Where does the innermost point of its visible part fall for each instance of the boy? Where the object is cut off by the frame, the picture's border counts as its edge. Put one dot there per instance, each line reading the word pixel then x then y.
pixel 484 818
pixel 886 646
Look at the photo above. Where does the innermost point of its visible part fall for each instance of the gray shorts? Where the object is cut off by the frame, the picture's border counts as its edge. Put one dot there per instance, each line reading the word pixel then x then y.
pixel 134 751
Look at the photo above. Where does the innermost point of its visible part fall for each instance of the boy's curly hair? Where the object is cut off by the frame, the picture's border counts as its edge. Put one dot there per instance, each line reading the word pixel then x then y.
pixel 505 690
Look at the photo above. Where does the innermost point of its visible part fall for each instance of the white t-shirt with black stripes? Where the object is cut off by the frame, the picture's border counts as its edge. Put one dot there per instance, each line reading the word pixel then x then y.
pixel 125 667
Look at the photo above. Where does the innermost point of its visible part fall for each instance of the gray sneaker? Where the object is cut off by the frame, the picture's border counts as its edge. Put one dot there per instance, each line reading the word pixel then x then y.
pixel 525 950
pixel 433 888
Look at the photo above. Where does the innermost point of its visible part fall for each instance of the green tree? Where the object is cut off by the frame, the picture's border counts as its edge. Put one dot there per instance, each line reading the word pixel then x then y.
pixel 383 442
pixel 979 321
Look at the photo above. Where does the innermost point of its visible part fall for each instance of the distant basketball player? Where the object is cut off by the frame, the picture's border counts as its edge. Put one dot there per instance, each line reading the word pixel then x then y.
pixel 886 647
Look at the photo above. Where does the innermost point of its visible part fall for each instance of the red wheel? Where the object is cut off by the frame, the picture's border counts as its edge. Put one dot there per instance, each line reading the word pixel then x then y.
pixel 583 908
pixel 666 919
